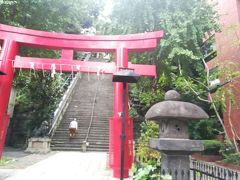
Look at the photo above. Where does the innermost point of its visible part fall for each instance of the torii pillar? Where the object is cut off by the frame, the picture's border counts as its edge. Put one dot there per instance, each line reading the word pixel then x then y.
pixel 120 45
pixel 121 60
pixel 9 51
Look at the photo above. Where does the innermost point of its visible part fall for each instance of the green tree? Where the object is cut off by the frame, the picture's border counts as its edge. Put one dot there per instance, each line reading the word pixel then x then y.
pixel 178 55
pixel 51 15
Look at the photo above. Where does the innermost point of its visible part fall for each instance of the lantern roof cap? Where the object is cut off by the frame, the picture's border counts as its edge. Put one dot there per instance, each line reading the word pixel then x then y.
pixel 173 108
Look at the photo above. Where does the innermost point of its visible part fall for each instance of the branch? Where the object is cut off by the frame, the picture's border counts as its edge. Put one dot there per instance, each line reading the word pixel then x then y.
pixel 199 82
pixel 212 103
pixel 230 122
pixel 195 92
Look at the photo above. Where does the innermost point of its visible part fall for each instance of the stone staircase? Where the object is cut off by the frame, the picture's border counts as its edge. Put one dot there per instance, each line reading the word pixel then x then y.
pixel 81 107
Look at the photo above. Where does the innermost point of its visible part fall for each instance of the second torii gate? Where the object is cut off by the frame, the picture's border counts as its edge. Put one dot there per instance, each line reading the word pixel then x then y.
pixel 12 38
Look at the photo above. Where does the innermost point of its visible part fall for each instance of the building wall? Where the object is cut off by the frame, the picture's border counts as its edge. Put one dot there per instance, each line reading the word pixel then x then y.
pixel 228 39
pixel 228 48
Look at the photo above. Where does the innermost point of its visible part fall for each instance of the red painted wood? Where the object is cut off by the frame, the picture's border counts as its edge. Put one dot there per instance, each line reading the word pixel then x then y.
pixel 85 66
pixel 54 35
pixel 8 54
pixel 93 43
pixel 3 131
pixel 67 54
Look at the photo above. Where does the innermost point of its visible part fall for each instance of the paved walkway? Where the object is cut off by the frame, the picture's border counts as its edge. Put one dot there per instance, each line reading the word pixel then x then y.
pixel 59 166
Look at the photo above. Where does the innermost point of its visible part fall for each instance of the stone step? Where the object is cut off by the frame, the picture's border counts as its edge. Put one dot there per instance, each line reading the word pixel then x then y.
pixel 78 143
pixel 96 133
pixel 79 133
pixel 78 137
pixel 86 122
pixel 84 129
pixel 66 138
pixel 71 145
pixel 102 124
pixel 79 149
pixel 82 115
pixel 80 107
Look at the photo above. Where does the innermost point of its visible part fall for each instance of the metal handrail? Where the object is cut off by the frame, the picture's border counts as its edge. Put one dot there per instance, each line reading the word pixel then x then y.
pixel 58 113
pixel 93 106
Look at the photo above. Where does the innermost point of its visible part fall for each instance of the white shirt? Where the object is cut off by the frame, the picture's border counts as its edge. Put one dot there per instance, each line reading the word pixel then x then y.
pixel 73 124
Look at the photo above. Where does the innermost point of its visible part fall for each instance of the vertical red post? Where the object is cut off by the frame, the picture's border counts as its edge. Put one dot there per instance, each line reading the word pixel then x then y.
pixel 9 51
pixel 67 54
pixel 121 61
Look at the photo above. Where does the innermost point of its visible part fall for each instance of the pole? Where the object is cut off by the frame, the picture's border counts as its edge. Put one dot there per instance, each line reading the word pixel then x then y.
pixel 10 49
pixel 123 131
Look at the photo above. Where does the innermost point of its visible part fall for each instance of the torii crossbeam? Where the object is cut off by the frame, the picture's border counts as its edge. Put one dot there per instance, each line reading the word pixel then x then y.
pixel 12 38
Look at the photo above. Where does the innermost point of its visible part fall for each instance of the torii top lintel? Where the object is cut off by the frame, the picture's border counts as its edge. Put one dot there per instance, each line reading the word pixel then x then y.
pixel 67 43
pixel 92 43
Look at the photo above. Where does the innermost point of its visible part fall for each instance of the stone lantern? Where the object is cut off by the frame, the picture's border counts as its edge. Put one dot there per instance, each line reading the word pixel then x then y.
pixel 173 117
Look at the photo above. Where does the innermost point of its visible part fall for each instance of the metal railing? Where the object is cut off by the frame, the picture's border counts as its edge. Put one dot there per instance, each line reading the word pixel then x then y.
pixel 59 112
pixel 199 170
pixel 204 171
pixel 85 142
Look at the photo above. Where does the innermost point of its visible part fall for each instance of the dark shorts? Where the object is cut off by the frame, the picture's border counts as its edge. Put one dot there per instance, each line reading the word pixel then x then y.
pixel 72 130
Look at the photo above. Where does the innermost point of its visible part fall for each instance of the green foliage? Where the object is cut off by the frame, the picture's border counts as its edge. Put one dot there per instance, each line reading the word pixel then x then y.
pixel 229 154
pixel 212 147
pixel 149 172
pixel 233 159
pixel 227 149
pixel 147 164
pixel 144 173
pixel 166 177
pixel 205 129
pixel 149 130
pixel 38 95
pixel 4 161
pixel 178 55
pixel 146 94
pixel 229 72
pixel 51 15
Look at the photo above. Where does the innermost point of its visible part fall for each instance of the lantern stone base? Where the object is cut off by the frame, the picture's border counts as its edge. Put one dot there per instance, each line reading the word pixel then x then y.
pixel 175 155
pixel 169 145
pixel 176 165
pixel 38 145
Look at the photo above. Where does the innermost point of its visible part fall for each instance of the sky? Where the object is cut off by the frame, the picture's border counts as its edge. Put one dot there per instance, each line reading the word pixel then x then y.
pixel 108 8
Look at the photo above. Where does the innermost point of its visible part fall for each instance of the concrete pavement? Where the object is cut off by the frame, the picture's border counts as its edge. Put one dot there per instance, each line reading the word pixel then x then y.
pixel 65 166
pixel 56 165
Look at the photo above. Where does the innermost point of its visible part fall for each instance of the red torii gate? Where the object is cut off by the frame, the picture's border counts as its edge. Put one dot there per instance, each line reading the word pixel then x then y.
pixel 12 37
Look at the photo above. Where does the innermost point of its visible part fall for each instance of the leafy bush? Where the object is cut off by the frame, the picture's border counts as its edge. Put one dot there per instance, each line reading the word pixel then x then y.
pixel 4 161
pixel 212 147
pixel 205 129
pixel 149 130
pixel 227 148
pixel 166 177
pixel 148 160
pixel 144 173
pixel 233 159
pixel 149 172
